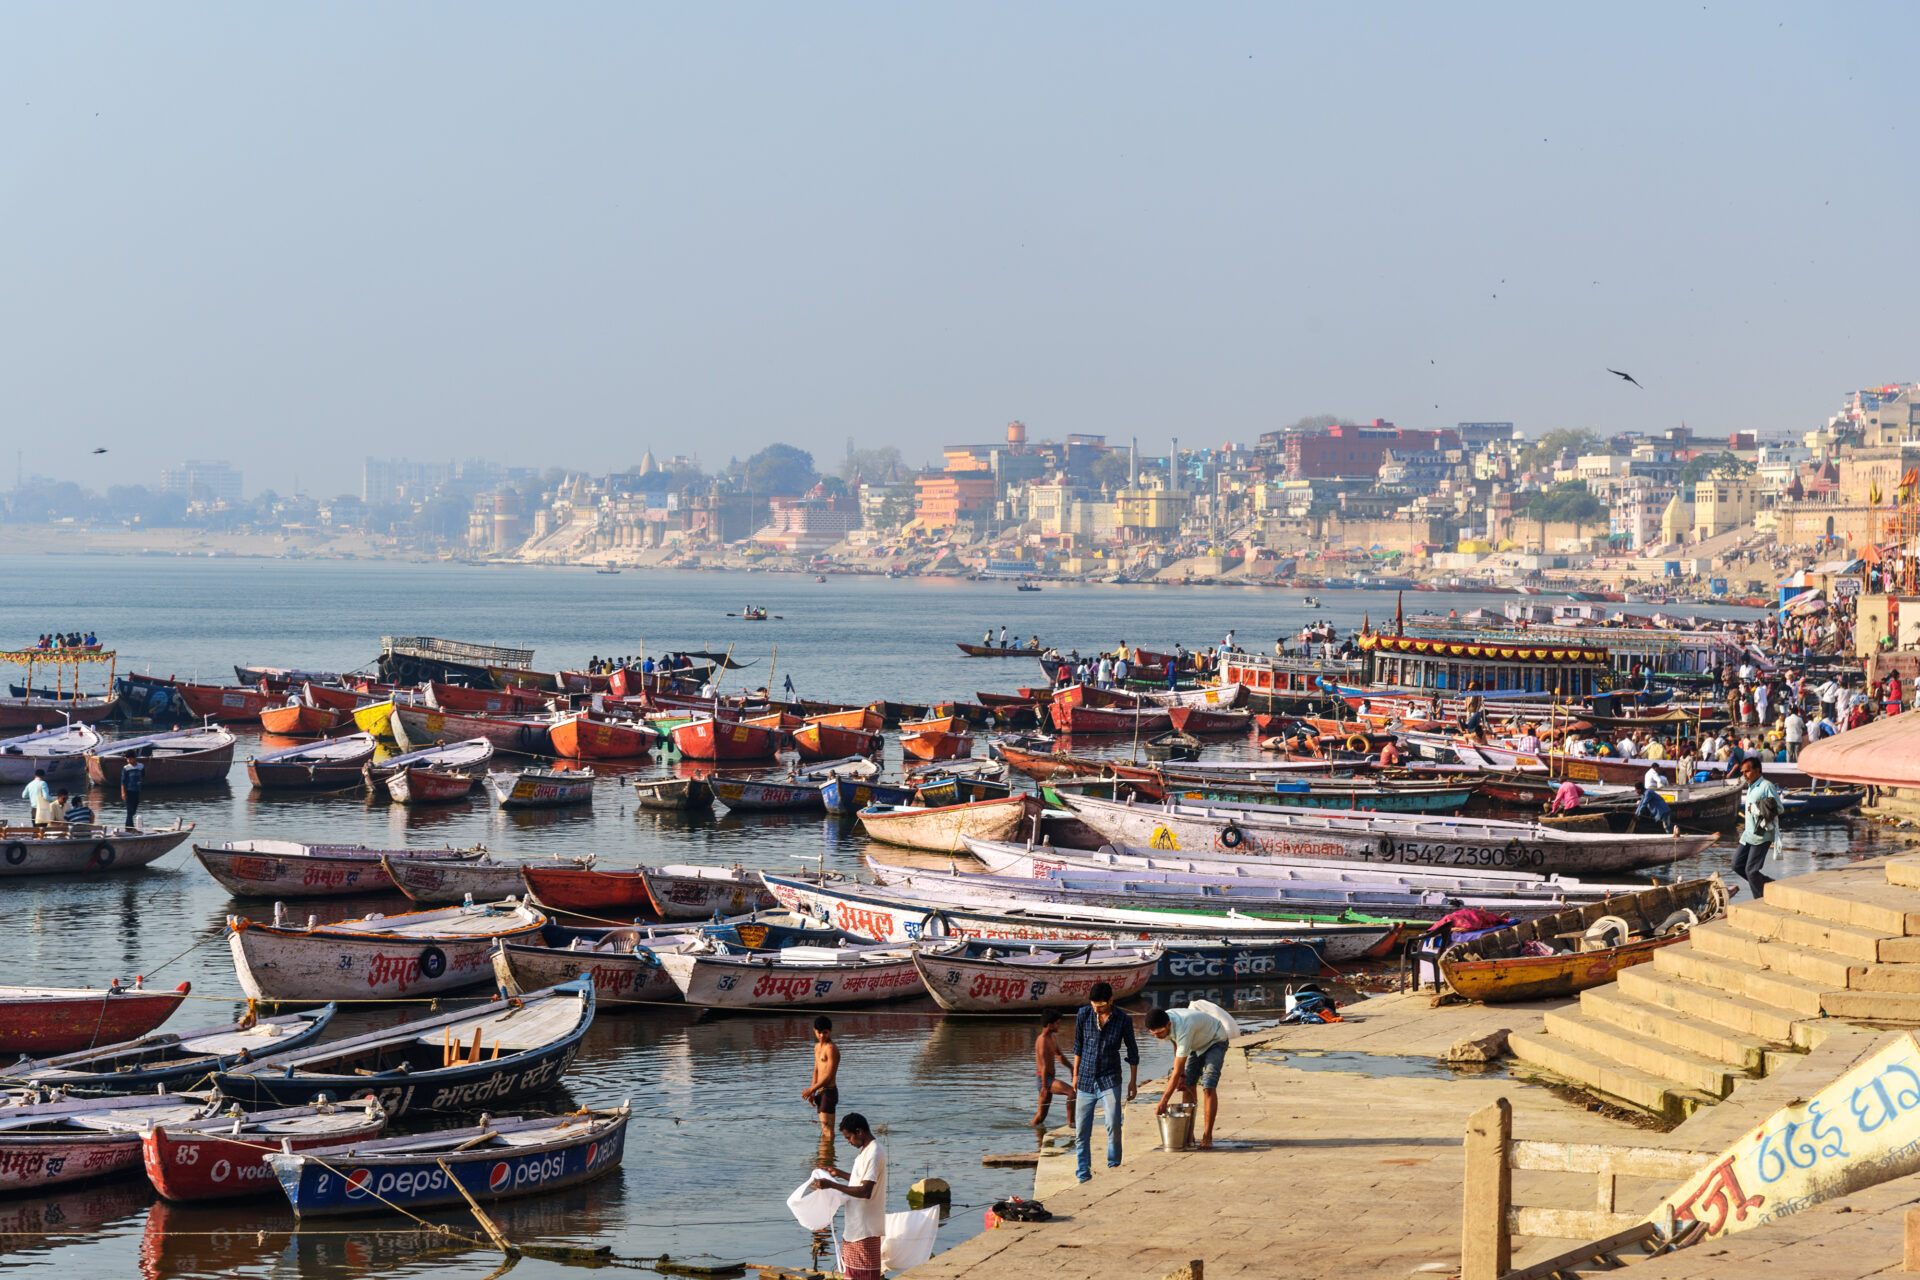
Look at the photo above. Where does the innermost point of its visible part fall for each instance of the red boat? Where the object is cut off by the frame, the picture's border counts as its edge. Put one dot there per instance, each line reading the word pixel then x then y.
pixel 210 1166
pixel 332 699
pixel 302 720
pixel 42 1021
pixel 427 785
pixel 1209 720
pixel 818 740
pixel 1069 717
pixel 935 745
pixel 581 737
pixel 709 739
pixel 510 702
pixel 586 681
pixel 604 895
pixel 225 702
pixel 868 718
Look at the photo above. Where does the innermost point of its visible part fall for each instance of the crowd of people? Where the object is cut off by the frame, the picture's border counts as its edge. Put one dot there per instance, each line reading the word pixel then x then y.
pixel 67 640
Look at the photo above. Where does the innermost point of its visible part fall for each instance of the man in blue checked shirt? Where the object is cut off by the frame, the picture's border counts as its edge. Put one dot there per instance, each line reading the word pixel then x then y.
pixel 1099 1034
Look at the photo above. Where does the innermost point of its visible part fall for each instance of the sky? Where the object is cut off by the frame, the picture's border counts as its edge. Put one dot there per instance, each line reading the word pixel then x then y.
pixel 290 236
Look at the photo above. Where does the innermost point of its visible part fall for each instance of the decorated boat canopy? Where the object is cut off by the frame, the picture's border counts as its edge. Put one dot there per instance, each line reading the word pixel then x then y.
pixel 31 657
pixel 1421 646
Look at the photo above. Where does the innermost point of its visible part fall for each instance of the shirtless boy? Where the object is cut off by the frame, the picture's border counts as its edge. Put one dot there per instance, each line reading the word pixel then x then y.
pixel 1046 1052
pixel 823 1094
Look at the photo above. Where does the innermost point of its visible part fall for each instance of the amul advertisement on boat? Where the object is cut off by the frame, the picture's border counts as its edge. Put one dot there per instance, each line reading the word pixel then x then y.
pixel 1861 1130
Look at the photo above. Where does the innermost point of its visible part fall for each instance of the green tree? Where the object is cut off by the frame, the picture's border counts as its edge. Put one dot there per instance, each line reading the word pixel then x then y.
pixel 1316 422
pixel 1109 468
pixel 1548 446
pixel 1570 503
pixel 1720 466
pixel 870 464
pixel 779 468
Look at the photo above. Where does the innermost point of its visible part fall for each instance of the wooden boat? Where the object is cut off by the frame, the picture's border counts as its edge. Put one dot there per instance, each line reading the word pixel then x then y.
pixel 935 745
pixel 623 962
pixel 486 702
pixel 870 718
pixel 757 795
pixel 857 973
pixel 585 681
pixel 994 651
pixel 935 724
pixel 421 726
pixel 1078 718
pixel 375 957
pixel 433 784
pixel 226 703
pixel 1209 720
pixel 1702 806
pixel 1570 951
pixel 1174 744
pixel 670 892
pixel 473 753
pixel 469 1059
pixel 816 740
pixel 60 849
pixel 286 869
pixel 494 1160
pixel 48 1143
pixel 223 1159
pixel 1370 837
pixel 1329 793
pixel 1018 981
pixel 542 788
pixel 711 739
pixel 1811 802
pixel 674 795
pixel 947 830
pixel 61 752
pixel 375 718
pixel 435 881
pixel 332 697
pixel 285 676
pixel 851 795
pixel 938 791
pixel 299 718
pixel 184 757
pixel 166 1060
pixel 27 713
pixel 1197 946
pixel 320 766
pixel 583 736
pixel 49 1020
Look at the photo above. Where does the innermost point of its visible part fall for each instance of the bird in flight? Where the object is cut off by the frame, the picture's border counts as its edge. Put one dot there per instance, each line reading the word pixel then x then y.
pixel 1629 377
pixel 99 450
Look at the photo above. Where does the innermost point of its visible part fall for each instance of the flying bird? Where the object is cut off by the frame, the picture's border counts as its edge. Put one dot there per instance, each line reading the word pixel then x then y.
pixel 99 450
pixel 1629 377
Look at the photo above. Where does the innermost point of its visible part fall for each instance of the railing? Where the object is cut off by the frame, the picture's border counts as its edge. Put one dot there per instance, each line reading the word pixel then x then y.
pixel 456 651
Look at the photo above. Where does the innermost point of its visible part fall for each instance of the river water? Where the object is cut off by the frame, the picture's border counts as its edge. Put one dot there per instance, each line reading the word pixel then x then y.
pixel 720 1136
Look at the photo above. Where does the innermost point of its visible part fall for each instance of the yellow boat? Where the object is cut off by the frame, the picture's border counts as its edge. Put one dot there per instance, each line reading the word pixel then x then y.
pixel 376 718
pixel 1569 951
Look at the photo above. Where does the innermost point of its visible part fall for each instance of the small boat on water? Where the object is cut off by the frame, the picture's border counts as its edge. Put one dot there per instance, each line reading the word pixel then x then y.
pixel 585 736
pixel 819 740
pixel 438 881
pixel 466 1059
pixel 30 712
pixel 1174 744
pixel 710 739
pixel 433 784
pixel 166 1060
pixel 1209 720
pixel 937 790
pixel 225 703
pixel 224 1158
pixel 859 973
pixel 768 795
pixel 934 744
pixel 59 752
pixel 494 1160
pixel 82 849
pixel 996 651
pixel 301 717
pixel 1027 586
pixel 183 757
pixel 624 962
pixel 947 829
pixel 670 892
pixel 49 1020
pixel 674 795
pixel 287 869
pixel 1817 801
pixel 851 795
pixel 1311 602
pixel 376 957
pixel 415 726
pixel 542 788
pixel 318 766
pixel 1571 951
pixel 472 753
pixel 1012 980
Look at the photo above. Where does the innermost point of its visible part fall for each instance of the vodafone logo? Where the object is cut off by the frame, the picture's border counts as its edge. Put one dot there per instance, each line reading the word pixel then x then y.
pixel 357 1183
pixel 500 1177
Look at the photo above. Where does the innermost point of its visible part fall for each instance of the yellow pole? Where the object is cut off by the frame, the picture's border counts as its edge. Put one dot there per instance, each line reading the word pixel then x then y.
pixel 772 667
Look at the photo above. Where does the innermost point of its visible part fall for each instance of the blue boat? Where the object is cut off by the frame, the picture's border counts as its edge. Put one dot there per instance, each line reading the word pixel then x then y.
pixel 1813 802
pixel 490 1161
pixel 169 1059
pixel 460 1061
pixel 851 795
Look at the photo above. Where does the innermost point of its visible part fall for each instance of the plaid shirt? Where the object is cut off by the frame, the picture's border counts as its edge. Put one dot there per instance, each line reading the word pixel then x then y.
pixel 1097 1048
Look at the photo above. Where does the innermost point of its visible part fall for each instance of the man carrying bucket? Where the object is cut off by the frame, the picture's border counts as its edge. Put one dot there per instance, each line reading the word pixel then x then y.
pixel 1200 1033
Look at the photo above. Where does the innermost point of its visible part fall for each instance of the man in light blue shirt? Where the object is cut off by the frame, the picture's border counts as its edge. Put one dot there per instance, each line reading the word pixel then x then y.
pixel 1199 1051
pixel 39 797
pixel 1760 805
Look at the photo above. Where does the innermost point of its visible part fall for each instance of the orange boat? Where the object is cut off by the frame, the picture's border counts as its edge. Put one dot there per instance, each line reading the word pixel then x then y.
pixel 936 724
pixel 868 718
pixel 934 745
pixel 300 719
pixel 608 895
pixel 709 739
pixel 817 740
pixel 333 699
pixel 581 737
pixel 221 702
pixel 509 702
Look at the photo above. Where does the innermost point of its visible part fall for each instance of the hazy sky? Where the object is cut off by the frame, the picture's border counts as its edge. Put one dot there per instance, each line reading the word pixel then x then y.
pixel 290 236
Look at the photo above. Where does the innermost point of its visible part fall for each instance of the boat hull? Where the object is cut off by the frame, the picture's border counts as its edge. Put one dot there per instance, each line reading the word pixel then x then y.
pixel 302 721
pixel 40 1027
pixel 966 984
pixel 818 741
pixel 748 795
pixel 102 849
pixel 733 982
pixel 293 965
pixel 266 873
pixel 675 795
pixel 717 740
pixel 420 726
pixel 225 704
pixel 947 830
pixel 617 979
pixel 582 738
pixel 187 1166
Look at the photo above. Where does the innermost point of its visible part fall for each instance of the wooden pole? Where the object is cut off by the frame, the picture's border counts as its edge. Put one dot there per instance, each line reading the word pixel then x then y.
pixel 500 1241
pixel 1486 1251
pixel 773 666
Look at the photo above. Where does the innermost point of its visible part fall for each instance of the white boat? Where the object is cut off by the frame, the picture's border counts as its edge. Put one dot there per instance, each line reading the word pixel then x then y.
pixel 1020 980
pixel 858 974
pixel 542 788
pixel 469 753
pixel 287 869
pixel 487 879
pixel 376 957
pixel 61 752
pixel 59 849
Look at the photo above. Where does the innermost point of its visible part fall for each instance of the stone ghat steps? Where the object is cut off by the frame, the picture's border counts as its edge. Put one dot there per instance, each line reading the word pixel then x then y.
pixel 1744 997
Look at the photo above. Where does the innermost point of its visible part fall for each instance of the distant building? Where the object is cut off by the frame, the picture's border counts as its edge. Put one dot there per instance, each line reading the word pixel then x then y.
pixel 812 523
pixel 202 482
pixel 1478 435
pixel 943 499
pixel 401 480
pixel 1357 451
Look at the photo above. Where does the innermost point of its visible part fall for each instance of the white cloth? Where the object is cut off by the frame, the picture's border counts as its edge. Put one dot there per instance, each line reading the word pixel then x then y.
pixel 1194 1032
pixel 909 1238
pixel 868 1218
pixel 815 1206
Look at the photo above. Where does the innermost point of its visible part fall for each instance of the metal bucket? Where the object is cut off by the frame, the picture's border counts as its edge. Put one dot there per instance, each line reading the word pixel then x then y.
pixel 1176 1126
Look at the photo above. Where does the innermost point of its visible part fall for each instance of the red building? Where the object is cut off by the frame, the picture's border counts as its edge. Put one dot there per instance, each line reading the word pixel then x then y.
pixel 1356 452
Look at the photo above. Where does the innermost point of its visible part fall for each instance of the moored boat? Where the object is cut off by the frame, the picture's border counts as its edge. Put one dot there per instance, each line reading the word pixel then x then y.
pixel 168 1059
pixel 225 1158
pixel 377 957
pixel 226 703
pixel 584 736
pixel 709 739
pixel 415 727
pixel 819 740
pixel 1038 978
pixel 288 869
pixel 935 744
pixel 83 849
pixel 670 892
pixel 1189 719
pixel 301 718
pixel 30 712
pixel 59 752
pixel 433 784
pixel 947 829
pixel 674 795
pixel 489 879
pixel 44 1144
pixel 314 766
pixel 472 753
pixel 542 788
pixel 183 757
pixel 768 795
pixel 858 973
pixel 50 1020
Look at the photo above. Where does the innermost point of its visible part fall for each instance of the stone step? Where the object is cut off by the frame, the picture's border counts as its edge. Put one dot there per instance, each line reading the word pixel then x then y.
pixel 1830 969
pixel 1654 1056
pixel 1605 1075
pixel 1854 897
pixel 1872 1006
pixel 1904 872
pixel 1739 1013
pixel 1684 1031
pixel 1786 992
pixel 1770 923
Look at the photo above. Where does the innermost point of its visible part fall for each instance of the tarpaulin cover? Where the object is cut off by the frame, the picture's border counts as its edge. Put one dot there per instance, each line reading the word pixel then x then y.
pixel 1885 753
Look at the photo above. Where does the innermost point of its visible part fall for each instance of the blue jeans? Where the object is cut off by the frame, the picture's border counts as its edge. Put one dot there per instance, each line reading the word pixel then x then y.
pixel 1083 1129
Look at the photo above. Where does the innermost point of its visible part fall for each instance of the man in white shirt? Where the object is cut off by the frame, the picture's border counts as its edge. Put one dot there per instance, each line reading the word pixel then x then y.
pixel 39 798
pixel 866 1192
pixel 1200 1039
pixel 1796 733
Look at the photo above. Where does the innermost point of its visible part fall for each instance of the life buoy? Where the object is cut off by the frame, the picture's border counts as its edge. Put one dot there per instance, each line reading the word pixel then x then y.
pixel 433 962
pixel 1232 837
pixel 935 924
pixel 1358 742
pixel 1383 847
pixel 102 857
pixel 16 854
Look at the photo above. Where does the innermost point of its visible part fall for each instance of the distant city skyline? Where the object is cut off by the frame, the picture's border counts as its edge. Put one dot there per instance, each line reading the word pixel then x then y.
pixel 289 239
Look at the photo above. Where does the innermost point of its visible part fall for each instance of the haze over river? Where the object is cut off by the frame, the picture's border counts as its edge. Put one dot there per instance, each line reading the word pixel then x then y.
pixel 720 1136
